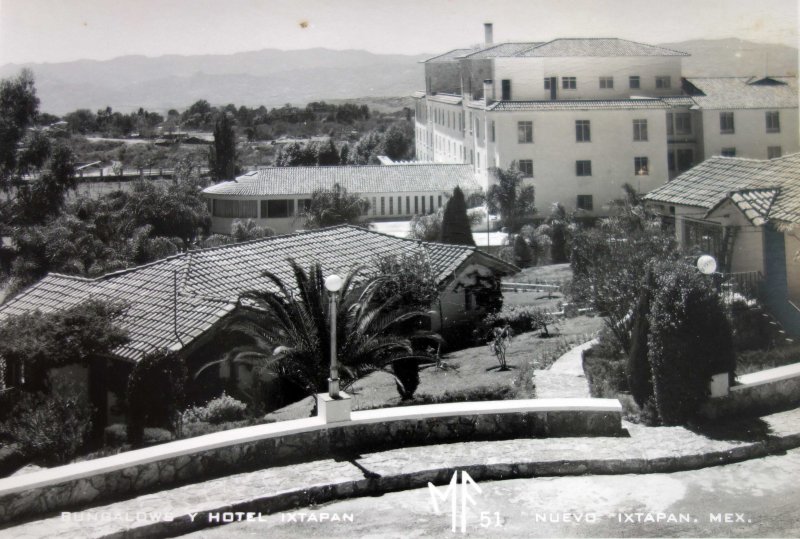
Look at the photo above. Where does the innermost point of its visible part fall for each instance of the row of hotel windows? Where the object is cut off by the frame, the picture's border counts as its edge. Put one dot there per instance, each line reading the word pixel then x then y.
pixel 773 152
pixel 582 131
pixel 606 83
pixel 284 208
pixel 772 120
pixel 583 167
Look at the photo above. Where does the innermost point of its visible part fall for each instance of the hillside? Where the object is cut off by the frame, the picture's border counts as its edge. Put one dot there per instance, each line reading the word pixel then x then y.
pixel 268 77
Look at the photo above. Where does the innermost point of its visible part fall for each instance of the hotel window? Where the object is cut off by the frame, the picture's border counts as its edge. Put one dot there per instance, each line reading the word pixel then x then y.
pixel 374 205
pixel 525 132
pixel 670 123
pixel 726 126
pixel 547 83
pixel 526 167
pixel 685 159
pixel 383 206
pixel 728 152
pixel 640 130
pixel 440 201
pixel 641 166
pixel 365 207
pixel 274 209
pixel 569 83
pixel 607 83
pixel 773 152
pixel 236 208
pixel 423 203
pixel 663 82
pixel 416 204
pixel 683 123
pixel 505 86
pixel 492 132
pixel 477 127
pixel 430 209
pixel 583 131
pixel 773 121
pixel 634 82
pixel 585 202
pixel 583 168
pixel 391 205
pixel 408 205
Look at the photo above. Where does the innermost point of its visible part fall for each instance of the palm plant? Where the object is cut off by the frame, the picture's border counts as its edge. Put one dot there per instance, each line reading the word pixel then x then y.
pixel 291 334
pixel 331 207
pixel 510 197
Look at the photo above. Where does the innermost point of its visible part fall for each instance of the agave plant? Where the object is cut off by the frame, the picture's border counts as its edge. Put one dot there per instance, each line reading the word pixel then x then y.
pixel 290 328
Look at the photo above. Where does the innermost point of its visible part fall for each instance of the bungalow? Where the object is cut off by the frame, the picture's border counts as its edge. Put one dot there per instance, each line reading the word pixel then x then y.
pixel 746 213
pixel 181 302
pixel 276 196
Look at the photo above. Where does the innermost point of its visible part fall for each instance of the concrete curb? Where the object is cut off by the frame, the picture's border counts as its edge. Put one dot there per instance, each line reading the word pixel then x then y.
pixel 373 485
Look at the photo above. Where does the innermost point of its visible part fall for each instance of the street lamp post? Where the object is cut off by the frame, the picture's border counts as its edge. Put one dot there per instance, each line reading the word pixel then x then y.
pixel 333 283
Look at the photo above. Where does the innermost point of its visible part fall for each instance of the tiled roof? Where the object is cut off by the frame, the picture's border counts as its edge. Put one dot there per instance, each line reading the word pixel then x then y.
pixel 357 179
pixel 502 50
pixel 450 55
pixel 175 300
pixel 755 204
pixel 678 101
pixel 597 47
pixel 741 93
pixel 714 180
pixel 605 104
pixel 448 99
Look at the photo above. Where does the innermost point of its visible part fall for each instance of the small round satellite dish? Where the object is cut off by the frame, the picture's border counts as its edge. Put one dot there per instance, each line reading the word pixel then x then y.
pixel 706 264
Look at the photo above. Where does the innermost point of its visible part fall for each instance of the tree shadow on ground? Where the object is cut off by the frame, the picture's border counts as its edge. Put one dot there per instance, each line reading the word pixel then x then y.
pixel 742 429
pixel 500 369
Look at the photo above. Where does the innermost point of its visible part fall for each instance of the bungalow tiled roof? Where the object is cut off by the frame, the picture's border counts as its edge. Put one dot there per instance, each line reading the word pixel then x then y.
pixel 449 56
pixel 502 50
pixel 743 92
pixel 439 177
pixel 767 189
pixel 579 104
pixel 171 302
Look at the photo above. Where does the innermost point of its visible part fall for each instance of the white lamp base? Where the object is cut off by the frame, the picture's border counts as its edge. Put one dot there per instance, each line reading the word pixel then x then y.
pixel 334 410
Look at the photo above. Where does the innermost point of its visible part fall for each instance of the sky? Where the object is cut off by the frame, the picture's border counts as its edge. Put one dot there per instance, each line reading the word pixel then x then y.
pixel 65 30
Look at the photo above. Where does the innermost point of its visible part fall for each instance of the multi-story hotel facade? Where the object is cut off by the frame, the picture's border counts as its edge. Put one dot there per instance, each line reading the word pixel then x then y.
pixel 582 117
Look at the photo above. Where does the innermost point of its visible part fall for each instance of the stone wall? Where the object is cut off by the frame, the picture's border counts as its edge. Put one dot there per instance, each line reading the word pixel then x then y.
pixel 135 472
pixel 759 393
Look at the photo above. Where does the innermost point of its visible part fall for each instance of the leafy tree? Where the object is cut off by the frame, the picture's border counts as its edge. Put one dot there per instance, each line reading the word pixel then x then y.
pixel 344 154
pixel 510 197
pixel 409 277
pixel 290 331
pixel 523 256
pixel 45 196
pixel 18 108
pixel 690 340
pixel 156 393
pixel 42 341
pixel 559 224
pixel 327 154
pixel 538 239
pixel 427 227
pixel 222 155
pixel 331 207
pixel 455 221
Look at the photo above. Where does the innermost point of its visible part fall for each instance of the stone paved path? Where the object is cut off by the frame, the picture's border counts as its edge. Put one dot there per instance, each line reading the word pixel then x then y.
pixel 645 450
pixel 565 376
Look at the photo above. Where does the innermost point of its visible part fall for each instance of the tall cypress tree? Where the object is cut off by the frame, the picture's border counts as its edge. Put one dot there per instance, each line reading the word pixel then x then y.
pixel 222 156
pixel 455 222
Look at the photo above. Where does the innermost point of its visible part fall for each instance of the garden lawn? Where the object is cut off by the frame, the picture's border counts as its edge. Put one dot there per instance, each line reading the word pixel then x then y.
pixel 469 374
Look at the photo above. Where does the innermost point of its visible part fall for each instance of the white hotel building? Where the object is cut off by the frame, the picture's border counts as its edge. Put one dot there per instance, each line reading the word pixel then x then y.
pixel 582 117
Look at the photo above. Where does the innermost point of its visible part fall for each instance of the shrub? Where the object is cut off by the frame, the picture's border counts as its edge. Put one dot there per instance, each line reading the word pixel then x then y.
pixel 751 329
pixel 640 376
pixel 220 410
pixel 523 255
pixel 406 376
pixel 50 429
pixel 155 393
pixel 690 340
pixel 759 360
pixel 605 375
pixel 521 319
pixel 116 435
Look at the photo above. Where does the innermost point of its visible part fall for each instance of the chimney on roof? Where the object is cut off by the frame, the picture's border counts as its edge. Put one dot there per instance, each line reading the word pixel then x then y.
pixel 487 32
pixel 488 91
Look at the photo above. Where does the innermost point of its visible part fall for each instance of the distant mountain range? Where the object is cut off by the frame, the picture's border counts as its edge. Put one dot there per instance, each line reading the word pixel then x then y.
pixel 273 77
